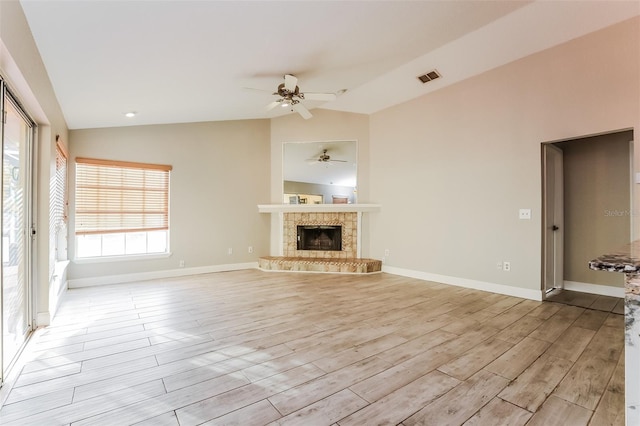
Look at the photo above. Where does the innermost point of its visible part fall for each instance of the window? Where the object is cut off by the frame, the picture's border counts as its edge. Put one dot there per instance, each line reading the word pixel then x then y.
pixel 58 204
pixel 121 208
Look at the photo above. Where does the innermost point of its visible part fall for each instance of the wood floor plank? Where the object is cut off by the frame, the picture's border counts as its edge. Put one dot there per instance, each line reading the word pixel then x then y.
pixel 243 396
pixel 611 408
pixel 326 349
pixel 296 398
pixel 558 412
pixel 410 349
pixel 591 319
pixel 604 303
pixel 586 382
pixel 95 406
pixel 258 414
pixel 518 358
pixel 520 329
pixel 475 359
pixel 536 383
pixel 359 352
pixel 499 412
pixel 571 343
pixel 55 385
pixel 147 408
pixel 619 308
pixel 555 325
pixel 460 403
pixel 398 405
pixel 324 412
pixel 32 406
pixel 166 419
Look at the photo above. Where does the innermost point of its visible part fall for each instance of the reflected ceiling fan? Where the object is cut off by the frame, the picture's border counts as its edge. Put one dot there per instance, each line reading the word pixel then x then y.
pixel 290 96
pixel 324 158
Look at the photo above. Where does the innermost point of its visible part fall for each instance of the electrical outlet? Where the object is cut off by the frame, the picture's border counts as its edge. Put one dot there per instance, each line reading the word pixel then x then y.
pixel 524 214
pixel 386 252
pixel 499 266
pixel 506 266
pixel 229 250
pixel 182 263
pixel 250 249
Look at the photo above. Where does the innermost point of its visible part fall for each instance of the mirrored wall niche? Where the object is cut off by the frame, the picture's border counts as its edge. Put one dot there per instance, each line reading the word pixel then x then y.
pixel 323 172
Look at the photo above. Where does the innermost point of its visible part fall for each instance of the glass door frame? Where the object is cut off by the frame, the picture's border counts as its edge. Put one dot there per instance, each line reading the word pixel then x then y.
pixel 29 220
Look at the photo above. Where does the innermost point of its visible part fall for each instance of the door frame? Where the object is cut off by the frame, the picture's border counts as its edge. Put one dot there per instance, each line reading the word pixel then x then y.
pixel 545 203
pixel 29 225
pixel 554 208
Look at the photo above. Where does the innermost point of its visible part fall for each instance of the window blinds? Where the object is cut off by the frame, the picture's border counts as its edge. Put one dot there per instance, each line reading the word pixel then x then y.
pixel 59 199
pixel 116 196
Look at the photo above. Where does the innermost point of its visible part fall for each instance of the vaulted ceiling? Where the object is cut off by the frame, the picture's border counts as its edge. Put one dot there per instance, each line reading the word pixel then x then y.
pixel 187 61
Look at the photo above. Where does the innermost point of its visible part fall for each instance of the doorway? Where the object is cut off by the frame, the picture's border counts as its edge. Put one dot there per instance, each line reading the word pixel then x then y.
pixel 16 132
pixel 587 210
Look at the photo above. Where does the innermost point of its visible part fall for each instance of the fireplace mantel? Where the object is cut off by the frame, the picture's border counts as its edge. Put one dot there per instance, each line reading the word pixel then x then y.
pixel 317 208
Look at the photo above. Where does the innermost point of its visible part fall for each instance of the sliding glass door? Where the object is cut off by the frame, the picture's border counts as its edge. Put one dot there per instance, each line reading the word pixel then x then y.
pixel 17 134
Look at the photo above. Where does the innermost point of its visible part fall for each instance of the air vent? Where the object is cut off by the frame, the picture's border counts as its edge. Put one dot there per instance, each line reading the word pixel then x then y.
pixel 432 75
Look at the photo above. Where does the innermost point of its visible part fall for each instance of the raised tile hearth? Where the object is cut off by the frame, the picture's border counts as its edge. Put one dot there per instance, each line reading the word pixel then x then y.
pixel 318 264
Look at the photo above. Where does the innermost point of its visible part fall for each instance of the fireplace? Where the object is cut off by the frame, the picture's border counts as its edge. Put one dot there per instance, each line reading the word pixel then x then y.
pixel 319 237
pixel 318 229
pixel 318 222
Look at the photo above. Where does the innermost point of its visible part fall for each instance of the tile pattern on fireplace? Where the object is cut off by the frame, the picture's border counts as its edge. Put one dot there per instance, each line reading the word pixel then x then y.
pixel 348 221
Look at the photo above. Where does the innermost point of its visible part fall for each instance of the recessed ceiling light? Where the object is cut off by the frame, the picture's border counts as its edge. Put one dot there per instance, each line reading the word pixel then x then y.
pixel 130 114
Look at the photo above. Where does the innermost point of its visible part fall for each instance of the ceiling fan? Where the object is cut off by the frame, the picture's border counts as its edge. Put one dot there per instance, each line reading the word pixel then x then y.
pixel 290 96
pixel 324 158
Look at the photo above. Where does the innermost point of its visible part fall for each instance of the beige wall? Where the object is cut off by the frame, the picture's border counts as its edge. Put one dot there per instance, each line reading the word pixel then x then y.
pixel 22 68
pixel 597 209
pixel 220 175
pixel 452 168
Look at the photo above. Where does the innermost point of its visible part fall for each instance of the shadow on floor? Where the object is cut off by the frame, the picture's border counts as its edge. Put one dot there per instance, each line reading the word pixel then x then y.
pixel 585 300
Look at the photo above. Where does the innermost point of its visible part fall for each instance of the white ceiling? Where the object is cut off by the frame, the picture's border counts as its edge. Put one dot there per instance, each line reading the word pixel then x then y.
pixel 186 61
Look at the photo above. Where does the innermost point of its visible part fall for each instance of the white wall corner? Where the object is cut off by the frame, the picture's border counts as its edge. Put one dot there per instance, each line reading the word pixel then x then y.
pixel 524 293
pixel 152 275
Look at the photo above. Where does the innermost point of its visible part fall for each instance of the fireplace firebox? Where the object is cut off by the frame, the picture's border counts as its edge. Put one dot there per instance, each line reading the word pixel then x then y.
pixel 320 237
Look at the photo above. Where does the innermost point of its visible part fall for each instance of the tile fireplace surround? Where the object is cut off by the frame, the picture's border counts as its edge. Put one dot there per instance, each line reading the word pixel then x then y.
pixel 348 221
pixel 347 260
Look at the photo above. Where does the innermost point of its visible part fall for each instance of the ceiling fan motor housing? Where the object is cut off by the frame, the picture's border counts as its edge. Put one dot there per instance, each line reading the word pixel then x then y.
pixel 287 94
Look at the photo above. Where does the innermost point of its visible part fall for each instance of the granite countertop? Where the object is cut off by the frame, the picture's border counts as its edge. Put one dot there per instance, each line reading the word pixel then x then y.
pixel 626 259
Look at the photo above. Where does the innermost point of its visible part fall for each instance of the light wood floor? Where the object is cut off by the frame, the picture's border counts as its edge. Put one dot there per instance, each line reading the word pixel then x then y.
pixel 255 348
pixel 586 300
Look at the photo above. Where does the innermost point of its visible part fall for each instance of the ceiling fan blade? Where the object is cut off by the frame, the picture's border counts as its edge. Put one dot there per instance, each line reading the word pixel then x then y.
pixel 339 161
pixel 320 96
pixel 300 109
pixel 257 90
pixel 290 82
pixel 272 105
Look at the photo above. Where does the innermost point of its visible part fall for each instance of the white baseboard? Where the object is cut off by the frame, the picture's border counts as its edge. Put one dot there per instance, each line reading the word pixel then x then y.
pixel 524 293
pixel 152 275
pixel 602 290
